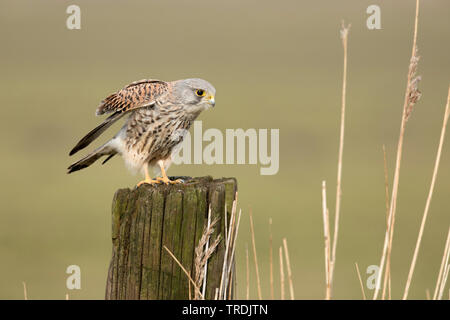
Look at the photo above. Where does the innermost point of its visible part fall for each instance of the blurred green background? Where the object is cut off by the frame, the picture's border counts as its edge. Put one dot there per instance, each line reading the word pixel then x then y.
pixel 275 64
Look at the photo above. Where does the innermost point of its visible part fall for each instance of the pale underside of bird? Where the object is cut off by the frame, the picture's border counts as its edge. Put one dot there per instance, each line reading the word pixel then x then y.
pixel 159 115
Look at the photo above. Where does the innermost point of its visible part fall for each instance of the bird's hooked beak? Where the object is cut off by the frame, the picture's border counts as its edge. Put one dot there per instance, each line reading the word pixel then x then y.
pixel 211 100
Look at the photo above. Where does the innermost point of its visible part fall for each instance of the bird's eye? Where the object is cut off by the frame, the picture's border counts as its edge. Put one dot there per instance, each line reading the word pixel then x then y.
pixel 200 92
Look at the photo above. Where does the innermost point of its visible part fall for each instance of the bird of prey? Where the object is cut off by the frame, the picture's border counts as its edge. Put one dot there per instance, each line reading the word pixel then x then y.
pixel 159 115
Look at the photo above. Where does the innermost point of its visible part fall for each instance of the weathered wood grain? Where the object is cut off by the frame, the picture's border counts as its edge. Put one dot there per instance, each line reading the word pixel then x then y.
pixel 146 219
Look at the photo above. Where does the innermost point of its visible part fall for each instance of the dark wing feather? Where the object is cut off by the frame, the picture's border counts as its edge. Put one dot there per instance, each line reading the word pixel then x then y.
pixel 136 95
pixel 109 157
pixel 96 132
pixel 104 150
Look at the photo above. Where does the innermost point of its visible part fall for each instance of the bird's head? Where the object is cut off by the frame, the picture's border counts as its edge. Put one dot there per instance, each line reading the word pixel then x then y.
pixel 195 94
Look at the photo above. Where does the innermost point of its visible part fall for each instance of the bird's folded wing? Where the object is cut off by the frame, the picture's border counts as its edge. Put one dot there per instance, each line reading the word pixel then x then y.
pixel 136 95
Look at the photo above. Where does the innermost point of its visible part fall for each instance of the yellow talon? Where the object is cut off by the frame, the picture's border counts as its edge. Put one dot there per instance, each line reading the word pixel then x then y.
pixel 164 177
pixel 166 180
pixel 148 181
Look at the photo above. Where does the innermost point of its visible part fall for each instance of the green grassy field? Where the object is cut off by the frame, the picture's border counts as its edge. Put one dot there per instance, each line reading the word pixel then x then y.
pixel 274 65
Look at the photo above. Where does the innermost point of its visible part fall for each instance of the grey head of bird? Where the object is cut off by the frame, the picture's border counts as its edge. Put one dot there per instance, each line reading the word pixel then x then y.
pixel 195 95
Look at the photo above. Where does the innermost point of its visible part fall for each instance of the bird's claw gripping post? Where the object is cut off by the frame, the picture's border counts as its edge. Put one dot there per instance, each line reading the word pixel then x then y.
pixel 166 180
pixel 148 181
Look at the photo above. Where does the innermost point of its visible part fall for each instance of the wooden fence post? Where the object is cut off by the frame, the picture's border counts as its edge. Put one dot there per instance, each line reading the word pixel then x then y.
pixel 146 219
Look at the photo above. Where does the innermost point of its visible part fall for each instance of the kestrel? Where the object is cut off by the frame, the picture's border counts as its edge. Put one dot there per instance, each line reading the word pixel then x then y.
pixel 159 115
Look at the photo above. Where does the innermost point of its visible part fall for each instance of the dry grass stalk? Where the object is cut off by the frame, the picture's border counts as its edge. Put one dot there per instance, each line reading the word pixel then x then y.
pixel 344 37
pixel 281 274
pixel 189 287
pixel 445 274
pixel 202 253
pixel 231 266
pixel 411 96
pixel 258 282
pixel 228 237
pixel 387 277
pixel 360 281
pixel 288 265
pixel 25 294
pixel 204 262
pixel 436 290
pixel 427 293
pixel 444 280
pixel 231 287
pixel 206 249
pixel 326 232
pixel 231 232
pixel 386 183
pixel 196 287
pixel 235 229
pixel 413 92
pixel 271 260
pixel 430 195
pixel 226 224
pixel 441 280
pixel 247 295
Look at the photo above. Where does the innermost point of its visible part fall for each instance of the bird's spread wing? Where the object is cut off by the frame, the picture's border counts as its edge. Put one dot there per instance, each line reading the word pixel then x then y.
pixel 136 95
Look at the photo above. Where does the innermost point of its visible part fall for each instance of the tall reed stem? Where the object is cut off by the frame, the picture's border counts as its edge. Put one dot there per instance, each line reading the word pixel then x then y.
pixel 344 38
pixel 430 195
pixel 411 97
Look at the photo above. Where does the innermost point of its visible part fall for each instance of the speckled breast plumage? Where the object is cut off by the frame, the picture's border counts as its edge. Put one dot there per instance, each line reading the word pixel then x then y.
pixel 153 132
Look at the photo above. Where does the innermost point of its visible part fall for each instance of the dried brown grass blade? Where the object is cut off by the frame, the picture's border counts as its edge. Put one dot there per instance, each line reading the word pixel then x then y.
pixel 25 294
pixel 288 264
pixel 228 237
pixel 440 283
pixel 387 276
pixel 281 274
pixel 344 37
pixel 231 265
pixel 326 233
pixel 271 259
pixel 247 295
pixel 203 252
pixel 430 195
pixel 411 97
pixel 360 281
pixel 258 282
pixel 197 289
